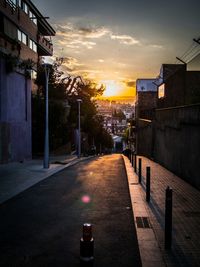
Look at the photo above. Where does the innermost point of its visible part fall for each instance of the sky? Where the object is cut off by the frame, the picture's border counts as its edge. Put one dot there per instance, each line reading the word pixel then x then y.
pixel 116 42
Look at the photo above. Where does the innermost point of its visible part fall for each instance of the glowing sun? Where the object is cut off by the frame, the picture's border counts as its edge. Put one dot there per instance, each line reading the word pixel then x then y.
pixel 113 88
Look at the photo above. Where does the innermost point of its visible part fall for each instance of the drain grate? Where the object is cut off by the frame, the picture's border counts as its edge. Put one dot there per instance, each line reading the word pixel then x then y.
pixel 143 222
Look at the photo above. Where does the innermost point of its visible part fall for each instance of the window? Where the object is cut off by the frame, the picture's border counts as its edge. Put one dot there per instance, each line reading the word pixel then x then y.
pixel 32 17
pixel 22 37
pixel 32 45
pixel 19 3
pixel 161 91
pixel 19 35
pixel 25 7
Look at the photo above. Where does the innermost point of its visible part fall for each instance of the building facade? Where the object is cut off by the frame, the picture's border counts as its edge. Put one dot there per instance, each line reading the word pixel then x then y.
pixel 171 137
pixel 146 100
pixel 178 86
pixel 24 38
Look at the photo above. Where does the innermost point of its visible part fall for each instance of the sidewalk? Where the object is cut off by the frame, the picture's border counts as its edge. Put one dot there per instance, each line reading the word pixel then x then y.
pixel 16 177
pixel 185 250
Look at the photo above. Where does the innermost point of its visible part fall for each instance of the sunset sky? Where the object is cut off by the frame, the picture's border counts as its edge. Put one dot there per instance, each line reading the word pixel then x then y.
pixel 115 42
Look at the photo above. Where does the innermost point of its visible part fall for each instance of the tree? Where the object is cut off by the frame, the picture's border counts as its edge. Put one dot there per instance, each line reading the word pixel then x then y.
pixel 63 94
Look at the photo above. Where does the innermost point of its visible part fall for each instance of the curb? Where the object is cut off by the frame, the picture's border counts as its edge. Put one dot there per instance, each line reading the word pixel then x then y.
pixel 150 252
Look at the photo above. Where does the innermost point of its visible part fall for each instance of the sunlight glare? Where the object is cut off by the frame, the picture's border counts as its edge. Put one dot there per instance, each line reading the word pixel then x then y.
pixel 113 88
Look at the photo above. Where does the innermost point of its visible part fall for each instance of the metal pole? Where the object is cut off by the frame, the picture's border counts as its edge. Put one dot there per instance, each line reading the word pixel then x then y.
pixel 46 141
pixel 168 218
pixel 135 162
pixel 140 170
pixel 79 127
pixel 132 158
pixel 148 188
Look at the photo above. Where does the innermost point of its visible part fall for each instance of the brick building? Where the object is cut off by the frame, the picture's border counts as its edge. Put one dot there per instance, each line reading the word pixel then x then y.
pixel 24 37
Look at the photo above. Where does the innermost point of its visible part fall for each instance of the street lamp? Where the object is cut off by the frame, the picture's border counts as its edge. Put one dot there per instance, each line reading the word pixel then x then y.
pixel 79 127
pixel 47 67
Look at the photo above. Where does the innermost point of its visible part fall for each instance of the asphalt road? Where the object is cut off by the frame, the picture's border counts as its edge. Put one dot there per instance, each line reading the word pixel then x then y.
pixel 42 226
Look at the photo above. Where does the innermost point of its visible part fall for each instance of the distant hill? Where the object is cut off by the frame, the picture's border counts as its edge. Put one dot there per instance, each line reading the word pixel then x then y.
pixel 119 99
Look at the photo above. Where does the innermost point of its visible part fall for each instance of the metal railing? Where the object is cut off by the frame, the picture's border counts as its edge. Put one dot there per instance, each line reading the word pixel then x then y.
pixel 12 4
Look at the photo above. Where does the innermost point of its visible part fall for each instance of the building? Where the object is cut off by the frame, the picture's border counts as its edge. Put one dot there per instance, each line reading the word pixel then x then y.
pixel 146 101
pixel 171 137
pixel 177 86
pixel 24 38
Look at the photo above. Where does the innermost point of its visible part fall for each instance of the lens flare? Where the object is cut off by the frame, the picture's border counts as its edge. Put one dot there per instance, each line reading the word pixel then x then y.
pixel 86 199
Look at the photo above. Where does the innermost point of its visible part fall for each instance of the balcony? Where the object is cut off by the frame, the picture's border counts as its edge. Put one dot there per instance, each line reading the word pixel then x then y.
pixel 45 46
pixel 10 10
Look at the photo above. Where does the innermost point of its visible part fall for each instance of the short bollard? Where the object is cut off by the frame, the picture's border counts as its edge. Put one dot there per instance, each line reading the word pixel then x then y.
pixel 135 163
pixel 140 170
pixel 129 155
pixel 87 246
pixel 168 218
pixel 148 184
pixel 132 159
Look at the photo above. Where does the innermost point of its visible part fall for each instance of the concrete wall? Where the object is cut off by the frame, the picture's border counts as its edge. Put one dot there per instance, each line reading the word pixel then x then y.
pixel 175 141
pixel 146 103
pixel 15 113
pixel 145 138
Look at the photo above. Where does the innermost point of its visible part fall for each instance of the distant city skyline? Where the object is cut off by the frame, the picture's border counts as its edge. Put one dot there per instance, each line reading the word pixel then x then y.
pixel 117 42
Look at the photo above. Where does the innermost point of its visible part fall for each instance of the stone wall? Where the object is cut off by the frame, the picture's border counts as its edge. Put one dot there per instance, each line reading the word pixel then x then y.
pixel 173 140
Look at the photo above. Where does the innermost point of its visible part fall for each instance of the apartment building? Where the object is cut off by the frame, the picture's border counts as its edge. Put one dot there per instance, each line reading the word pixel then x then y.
pixel 25 36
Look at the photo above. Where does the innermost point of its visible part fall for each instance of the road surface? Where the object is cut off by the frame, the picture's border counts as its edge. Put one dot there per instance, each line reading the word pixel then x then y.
pixel 42 226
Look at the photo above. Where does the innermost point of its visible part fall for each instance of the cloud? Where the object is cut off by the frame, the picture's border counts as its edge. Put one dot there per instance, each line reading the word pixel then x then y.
pixel 70 64
pixel 74 41
pixel 93 32
pixel 130 83
pixel 125 39
pixel 157 46
pixel 74 37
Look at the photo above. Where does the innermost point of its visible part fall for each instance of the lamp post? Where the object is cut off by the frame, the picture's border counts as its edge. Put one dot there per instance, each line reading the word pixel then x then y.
pixel 46 138
pixel 79 127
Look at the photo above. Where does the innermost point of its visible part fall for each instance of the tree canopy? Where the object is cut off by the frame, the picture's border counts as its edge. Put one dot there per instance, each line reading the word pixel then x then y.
pixel 63 112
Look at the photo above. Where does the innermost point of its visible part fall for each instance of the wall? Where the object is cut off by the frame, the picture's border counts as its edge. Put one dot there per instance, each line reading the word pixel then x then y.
pixel 177 145
pixel 145 138
pixel 146 103
pixel 15 115
pixel 175 86
pixel 192 87
pixel 173 140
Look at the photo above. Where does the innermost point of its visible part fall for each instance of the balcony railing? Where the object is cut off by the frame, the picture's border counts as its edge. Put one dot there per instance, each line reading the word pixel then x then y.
pixel 9 8
pixel 46 45
pixel 11 3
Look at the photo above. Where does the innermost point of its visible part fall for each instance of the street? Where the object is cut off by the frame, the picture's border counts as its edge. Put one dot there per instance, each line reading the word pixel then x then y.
pixel 42 226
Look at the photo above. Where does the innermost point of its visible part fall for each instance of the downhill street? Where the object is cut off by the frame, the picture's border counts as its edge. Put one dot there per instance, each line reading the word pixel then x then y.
pixel 42 226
